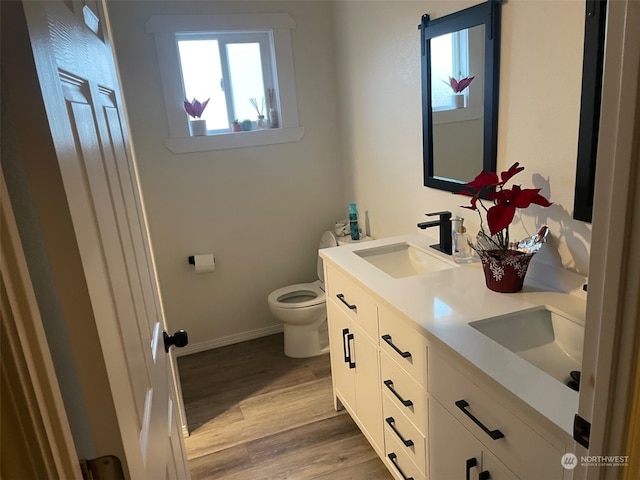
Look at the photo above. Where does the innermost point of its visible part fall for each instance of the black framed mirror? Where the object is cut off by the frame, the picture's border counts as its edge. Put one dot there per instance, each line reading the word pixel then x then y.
pixel 460 117
pixel 594 40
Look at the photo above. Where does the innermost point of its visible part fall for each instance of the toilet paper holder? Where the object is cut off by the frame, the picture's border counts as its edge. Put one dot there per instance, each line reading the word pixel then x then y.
pixel 203 263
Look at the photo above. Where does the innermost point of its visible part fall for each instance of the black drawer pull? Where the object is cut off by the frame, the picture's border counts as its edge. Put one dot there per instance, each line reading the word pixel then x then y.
pixel 471 462
pixel 391 421
pixel 341 298
pixel 389 385
pixel 484 475
pixel 387 338
pixel 392 456
pixel 494 434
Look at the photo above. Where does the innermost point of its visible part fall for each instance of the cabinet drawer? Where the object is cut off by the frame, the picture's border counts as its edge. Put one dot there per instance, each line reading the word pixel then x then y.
pixel 399 462
pixel 397 425
pixel 404 392
pixel 354 301
pixel 404 345
pixel 521 448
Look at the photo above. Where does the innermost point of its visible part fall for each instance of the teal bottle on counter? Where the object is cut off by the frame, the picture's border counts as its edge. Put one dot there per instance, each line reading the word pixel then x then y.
pixel 353 221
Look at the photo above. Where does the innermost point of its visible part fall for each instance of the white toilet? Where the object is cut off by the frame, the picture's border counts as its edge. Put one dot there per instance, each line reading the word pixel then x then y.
pixel 302 310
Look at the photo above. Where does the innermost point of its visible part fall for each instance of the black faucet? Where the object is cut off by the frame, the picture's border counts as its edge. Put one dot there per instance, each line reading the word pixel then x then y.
pixel 444 223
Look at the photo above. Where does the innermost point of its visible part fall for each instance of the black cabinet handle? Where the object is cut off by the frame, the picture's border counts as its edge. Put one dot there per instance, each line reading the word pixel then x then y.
pixel 389 385
pixel 494 434
pixel 352 364
pixel 471 462
pixel 387 338
pixel 391 421
pixel 341 298
pixel 346 347
pixel 484 475
pixel 392 456
pixel 345 332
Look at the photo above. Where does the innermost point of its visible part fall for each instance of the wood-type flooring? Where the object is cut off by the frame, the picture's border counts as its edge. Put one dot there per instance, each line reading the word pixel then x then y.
pixel 255 414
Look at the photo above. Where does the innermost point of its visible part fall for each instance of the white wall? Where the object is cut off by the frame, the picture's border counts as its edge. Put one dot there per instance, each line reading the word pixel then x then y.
pixel 379 81
pixel 260 210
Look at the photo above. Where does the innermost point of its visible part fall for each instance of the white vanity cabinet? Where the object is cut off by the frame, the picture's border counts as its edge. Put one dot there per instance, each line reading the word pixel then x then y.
pixel 499 430
pixel 429 413
pixel 353 327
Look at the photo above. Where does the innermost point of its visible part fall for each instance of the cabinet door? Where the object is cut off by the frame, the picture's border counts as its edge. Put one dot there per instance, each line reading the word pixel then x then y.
pixel 341 342
pixel 493 469
pixel 453 452
pixel 456 454
pixel 367 383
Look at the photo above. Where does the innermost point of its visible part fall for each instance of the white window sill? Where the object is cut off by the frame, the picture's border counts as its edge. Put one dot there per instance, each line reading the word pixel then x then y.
pixel 223 141
pixel 457 115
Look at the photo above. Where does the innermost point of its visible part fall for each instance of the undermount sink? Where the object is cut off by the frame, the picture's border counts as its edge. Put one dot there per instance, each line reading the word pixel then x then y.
pixel 545 338
pixel 403 260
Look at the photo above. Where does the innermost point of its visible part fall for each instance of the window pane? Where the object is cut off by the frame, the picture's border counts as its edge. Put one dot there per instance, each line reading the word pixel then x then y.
pixel 202 75
pixel 441 68
pixel 245 70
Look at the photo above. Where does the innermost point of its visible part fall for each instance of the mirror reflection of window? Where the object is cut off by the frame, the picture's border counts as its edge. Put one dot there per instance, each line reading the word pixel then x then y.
pixel 458 133
pixel 449 58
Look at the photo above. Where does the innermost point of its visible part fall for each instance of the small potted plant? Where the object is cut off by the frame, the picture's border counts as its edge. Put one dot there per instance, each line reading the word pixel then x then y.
pixel 195 108
pixel 458 86
pixel 236 126
pixel 504 262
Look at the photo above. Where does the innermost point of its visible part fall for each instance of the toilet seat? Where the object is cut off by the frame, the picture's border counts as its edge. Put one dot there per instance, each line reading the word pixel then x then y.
pixel 300 295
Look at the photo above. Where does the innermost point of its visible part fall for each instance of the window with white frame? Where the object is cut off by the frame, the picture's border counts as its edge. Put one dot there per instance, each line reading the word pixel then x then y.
pixel 242 64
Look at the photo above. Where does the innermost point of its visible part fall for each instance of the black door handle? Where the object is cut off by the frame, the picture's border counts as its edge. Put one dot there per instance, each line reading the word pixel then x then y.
pixel 352 364
pixel 484 475
pixel 179 339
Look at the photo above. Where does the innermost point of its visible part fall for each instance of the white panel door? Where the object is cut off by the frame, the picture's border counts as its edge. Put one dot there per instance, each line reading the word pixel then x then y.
pixel 79 83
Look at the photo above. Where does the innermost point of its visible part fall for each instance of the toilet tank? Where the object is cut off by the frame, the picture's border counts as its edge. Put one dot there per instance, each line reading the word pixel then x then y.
pixel 327 240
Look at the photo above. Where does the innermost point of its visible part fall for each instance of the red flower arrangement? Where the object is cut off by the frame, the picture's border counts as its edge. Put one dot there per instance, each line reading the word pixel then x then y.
pixel 194 108
pixel 505 202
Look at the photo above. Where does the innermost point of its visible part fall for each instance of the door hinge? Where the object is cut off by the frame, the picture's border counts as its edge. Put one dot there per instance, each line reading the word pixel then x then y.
pixel 581 430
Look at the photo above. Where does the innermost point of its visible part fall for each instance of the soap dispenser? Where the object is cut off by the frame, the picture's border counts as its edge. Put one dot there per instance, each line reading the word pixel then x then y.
pixel 462 252
pixel 354 228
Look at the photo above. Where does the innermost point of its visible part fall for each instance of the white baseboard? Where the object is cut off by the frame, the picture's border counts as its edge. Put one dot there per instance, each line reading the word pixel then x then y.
pixel 228 340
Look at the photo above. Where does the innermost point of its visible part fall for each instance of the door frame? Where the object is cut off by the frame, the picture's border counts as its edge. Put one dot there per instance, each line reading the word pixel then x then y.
pixel 44 436
pixel 611 333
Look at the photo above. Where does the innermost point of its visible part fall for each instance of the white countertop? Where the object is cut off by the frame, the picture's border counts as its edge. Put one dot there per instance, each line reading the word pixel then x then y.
pixel 443 303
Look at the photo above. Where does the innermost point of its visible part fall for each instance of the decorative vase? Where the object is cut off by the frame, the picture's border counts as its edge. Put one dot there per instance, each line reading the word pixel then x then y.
pixel 197 127
pixel 247 125
pixel 457 100
pixel 261 122
pixel 504 270
pixel 274 119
